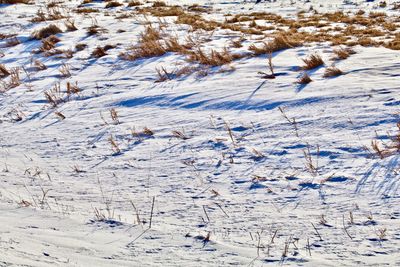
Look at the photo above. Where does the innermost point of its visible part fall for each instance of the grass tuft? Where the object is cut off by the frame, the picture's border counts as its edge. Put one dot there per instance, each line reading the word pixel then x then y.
pixel 312 62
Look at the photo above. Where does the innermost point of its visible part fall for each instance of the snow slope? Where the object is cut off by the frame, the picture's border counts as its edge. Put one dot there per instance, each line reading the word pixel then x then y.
pixel 235 190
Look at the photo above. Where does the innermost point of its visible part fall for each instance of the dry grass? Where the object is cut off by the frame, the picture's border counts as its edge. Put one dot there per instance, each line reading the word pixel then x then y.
pixel 11 2
pixel 214 58
pixel 384 150
pixel 159 4
pixel 114 145
pixel 312 62
pixel 112 4
pixel 50 13
pixel 80 47
pixel 149 45
pixel 39 65
pixel 99 52
pixel 332 72
pixel 47 31
pixel 164 75
pixel 114 116
pixel 14 78
pixel 4 71
pixel 95 30
pixel 54 96
pixel 86 10
pixel 394 44
pixel 70 25
pixel 72 89
pixel 304 79
pixel 49 43
pixel 134 3
pixel 65 70
pixel 343 53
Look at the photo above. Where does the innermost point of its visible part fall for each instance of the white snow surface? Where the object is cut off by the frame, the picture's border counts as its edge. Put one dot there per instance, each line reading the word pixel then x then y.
pixel 250 192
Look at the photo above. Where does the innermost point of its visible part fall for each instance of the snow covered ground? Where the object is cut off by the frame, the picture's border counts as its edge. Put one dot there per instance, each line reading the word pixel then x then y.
pixel 216 167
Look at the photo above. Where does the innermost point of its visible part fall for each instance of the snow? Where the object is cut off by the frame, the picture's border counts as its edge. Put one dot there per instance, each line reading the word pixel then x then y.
pixel 250 191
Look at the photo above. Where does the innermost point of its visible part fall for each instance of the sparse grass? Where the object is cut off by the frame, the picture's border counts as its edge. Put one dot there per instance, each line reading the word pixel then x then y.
pixel 213 58
pixel 164 75
pixel 70 25
pixel 114 116
pixel 65 70
pixel 134 3
pixel 112 4
pixel 304 79
pixel 86 10
pixel 54 96
pixel 80 47
pixel 179 135
pixel 95 30
pixel 312 62
pixel 49 13
pixel 332 72
pixel 149 45
pixel 4 71
pixel 159 4
pixel 14 78
pixel 99 52
pixel 39 65
pixel 49 43
pixel 343 53
pixel 384 150
pixel 114 145
pixel 47 31
pixel 11 2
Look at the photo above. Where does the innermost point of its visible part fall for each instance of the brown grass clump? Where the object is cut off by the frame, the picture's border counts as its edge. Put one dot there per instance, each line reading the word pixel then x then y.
pixel 164 75
pixel 197 22
pixel 394 44
pixel 53 13
pixel 46 32
pixel 343 53
pixel 54 96
pixel 312 62
pixel 304 79
pixel 99 52
pixel 214 58
pixel 159 4
pixel 14 78
pixel 134 3
pixel 95 29
pixel 149 45
pixel 80 47
pixel 112 4
pixel 49 43
pixel 388 149
pixel 39 65
pixel 145 50
pixel 260 50
pixel 172 45
pixel 166 11
pixel 65 70
pixel 11 2
pixel 3 71
pixel 332 72
pixel 102 51
pixel 86 10
pixel 70 25
pixel 283 41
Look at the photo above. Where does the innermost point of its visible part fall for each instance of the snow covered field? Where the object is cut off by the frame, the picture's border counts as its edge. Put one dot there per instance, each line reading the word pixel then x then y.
pixel 112 158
